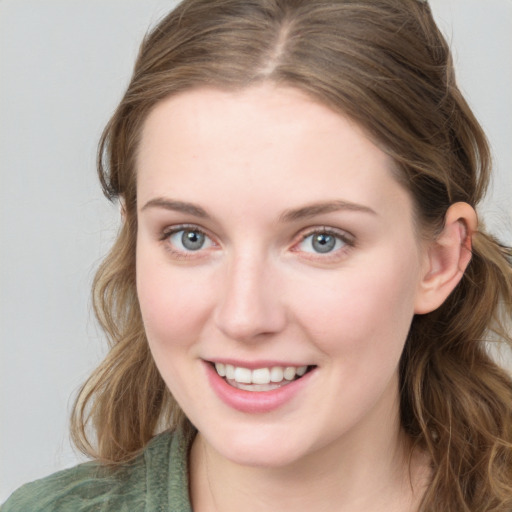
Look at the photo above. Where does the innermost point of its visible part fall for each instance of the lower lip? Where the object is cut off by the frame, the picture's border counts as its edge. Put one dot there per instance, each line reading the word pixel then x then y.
pixel 255 401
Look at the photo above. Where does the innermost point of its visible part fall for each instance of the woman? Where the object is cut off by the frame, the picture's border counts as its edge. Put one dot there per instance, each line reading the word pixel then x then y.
pixel 301 294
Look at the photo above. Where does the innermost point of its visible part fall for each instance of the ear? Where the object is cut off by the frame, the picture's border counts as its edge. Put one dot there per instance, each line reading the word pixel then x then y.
pixel 446 258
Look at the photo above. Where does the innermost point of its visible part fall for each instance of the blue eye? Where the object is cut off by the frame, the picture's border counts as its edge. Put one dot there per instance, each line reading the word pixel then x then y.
pixel 321 242
pixel 189 240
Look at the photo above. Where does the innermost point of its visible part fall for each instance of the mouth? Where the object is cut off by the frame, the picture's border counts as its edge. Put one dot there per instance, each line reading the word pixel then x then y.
pixel 260 379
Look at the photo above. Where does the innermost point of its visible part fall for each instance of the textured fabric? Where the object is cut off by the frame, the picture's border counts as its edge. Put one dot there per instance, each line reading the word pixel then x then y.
pixel 156 481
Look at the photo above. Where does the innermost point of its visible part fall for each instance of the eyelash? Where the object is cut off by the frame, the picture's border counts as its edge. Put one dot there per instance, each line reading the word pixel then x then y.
pixel 182 255
pixel 347 240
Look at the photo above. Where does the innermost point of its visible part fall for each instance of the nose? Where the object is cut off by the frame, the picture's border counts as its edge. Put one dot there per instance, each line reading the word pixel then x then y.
pixel 250 306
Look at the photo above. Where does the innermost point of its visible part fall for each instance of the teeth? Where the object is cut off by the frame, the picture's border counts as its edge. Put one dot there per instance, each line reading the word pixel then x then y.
pixel 230 371
pixel 275 374
pixel 289 373
pixel 221 369
pixel 243 375
pixel 260 376
pixel 301 370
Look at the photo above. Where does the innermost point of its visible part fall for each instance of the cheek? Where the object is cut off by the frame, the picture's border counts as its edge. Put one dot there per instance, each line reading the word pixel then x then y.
pixel 173 311
pixel 364 309
pixel 173 304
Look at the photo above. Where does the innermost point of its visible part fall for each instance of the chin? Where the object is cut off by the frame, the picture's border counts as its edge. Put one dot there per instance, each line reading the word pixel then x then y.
pixel 261 456
pixel 258 446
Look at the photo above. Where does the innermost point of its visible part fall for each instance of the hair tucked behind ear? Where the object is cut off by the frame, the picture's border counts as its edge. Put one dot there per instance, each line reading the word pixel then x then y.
pixel 385 64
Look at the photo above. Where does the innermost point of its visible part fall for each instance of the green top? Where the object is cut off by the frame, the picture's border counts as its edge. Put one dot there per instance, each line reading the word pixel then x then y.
pixel 156 481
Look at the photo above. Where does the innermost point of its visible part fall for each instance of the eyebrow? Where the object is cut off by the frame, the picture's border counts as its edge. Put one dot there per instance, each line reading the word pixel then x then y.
pixel 177 206
pixel 322 208
pixel 287 216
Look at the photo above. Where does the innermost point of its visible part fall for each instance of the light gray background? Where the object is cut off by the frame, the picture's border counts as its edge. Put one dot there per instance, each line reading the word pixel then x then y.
pixel 63 67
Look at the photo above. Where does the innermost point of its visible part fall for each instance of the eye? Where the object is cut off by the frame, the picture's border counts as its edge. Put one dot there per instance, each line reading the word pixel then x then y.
pixel 323 242
pixel 188 240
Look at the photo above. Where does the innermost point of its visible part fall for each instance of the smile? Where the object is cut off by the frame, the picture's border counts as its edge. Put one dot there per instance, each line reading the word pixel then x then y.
pixel 259 379
pixel 262 388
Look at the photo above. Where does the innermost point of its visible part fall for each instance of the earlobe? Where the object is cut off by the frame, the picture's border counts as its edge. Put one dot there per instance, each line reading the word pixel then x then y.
pixel 447 258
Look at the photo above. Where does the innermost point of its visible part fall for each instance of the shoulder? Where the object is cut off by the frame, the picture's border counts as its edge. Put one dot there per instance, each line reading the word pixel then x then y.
pixel 141 485
pixel 78 488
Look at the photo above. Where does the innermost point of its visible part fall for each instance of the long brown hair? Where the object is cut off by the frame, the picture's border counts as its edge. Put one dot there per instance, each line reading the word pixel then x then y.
pixel 385 64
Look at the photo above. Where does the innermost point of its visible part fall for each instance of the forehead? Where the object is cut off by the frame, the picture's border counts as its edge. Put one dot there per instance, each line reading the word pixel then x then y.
pixel 267 143
pixel 237 114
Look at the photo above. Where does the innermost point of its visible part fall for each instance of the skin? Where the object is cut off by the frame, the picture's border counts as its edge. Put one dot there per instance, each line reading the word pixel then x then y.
pixel 258 290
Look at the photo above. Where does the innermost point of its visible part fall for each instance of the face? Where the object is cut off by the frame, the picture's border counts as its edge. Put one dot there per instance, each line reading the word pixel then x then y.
pixel 274 246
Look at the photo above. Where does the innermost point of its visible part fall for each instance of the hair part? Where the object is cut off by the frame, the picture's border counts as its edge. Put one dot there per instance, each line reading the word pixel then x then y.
pixel 385 65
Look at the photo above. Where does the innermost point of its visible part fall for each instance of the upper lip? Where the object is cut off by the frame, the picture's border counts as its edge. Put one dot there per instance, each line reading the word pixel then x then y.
pixel 254 365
